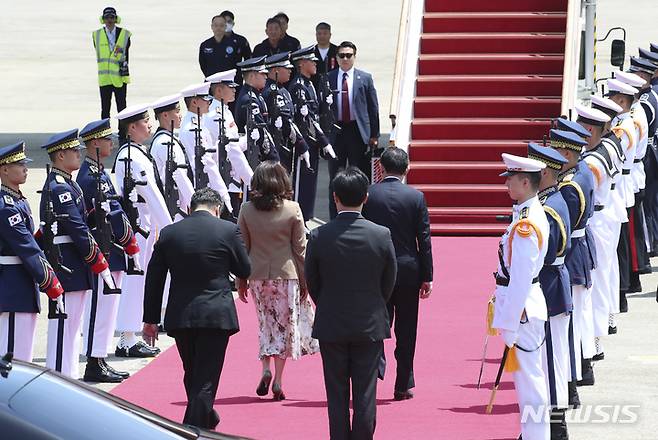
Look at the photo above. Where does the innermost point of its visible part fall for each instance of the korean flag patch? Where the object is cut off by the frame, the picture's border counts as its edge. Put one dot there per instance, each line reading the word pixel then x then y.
pixel 15 219
pixel 66 197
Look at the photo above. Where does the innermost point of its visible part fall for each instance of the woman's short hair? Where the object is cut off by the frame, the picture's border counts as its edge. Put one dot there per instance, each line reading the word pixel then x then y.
pixel 270 186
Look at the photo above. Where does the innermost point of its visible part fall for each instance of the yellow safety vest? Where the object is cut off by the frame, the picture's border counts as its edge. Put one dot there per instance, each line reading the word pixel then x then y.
pixel 109 63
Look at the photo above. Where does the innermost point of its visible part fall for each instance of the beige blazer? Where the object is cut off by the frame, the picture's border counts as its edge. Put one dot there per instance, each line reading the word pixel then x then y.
pixel 276 241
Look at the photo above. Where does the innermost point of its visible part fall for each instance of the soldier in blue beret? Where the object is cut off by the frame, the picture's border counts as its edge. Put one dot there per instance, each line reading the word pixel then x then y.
pixel 80 253
pixel 101 310
pixel 24 269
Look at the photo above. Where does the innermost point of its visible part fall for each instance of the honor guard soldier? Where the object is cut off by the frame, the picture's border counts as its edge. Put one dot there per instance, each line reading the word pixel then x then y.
pixel 602 159
pixel 199 145
pixel 251 113
pixel 519 305
pixel 24 270
pixel 307 118
pixel 623 126
pixel 75 255
pixel 233 164
pixel 556 287
pixel 139 185
pixel 170 157
pixel 290 143
pixel 577 188
pixel 111 230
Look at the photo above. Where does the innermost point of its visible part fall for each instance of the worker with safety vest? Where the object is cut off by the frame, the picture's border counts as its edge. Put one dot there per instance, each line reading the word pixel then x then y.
pixel 112 43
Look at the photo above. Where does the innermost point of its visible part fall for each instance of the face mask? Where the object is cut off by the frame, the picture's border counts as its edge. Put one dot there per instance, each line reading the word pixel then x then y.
pixel 229 27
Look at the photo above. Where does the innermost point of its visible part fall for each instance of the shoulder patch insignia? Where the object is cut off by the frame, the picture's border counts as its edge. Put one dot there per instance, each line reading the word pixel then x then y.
pixel 15 219
pixel 524 212
pixel 644 97
pixel 65 197
pixel 93 168
pixel 8 200
pixel 59 179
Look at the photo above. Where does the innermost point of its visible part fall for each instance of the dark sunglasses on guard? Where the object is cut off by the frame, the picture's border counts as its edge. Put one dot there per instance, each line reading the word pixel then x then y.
pixel 345 55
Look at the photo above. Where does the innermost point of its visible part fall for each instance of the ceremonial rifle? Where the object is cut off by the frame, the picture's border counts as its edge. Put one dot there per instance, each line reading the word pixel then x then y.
pixel 170 190
pixel 253 153
pixel 222 154
pixel 327 116
pixel 200 177
pixel 129 184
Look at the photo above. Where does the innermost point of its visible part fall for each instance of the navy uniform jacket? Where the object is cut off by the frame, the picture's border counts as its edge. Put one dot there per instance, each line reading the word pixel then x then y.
pixel 303 94
pixel 554 276
pixel 285 108
pixel 20 283
pixel 649 101
pixel 577 188
pixel 123 233
pixel 251 99
pixel 402 209
pixel 82 252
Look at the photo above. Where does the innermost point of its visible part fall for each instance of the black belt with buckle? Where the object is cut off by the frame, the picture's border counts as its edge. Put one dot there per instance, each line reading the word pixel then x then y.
pixel 625 171
pixel 502 281
pixel 637 160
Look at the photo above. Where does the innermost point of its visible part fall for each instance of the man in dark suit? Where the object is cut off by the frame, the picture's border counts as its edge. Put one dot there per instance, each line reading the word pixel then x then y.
pixel 357 114
pixel 198 252
pixel 350 273
pixel 402 209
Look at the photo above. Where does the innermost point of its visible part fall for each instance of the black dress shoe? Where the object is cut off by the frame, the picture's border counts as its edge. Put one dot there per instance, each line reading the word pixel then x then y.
pixel 598 357
pixel 403 395
pixel 574 399
pixel 612 330
pixel 95 371
pixel 123 374
pixel 559 425
pixel 588 374
pixel 623 303
pixel 139 350
pixel 635 288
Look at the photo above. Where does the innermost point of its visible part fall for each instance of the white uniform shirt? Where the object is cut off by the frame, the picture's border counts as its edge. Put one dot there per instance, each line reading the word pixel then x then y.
pixel 640 120
pixel 159 152
pixel 622 125
pixel 523 256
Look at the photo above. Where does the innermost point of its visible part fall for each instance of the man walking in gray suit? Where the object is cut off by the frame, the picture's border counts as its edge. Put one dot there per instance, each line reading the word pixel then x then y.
pixel 357 114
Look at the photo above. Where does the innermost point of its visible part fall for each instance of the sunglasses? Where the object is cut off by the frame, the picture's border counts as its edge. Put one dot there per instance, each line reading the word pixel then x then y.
pixel 345 55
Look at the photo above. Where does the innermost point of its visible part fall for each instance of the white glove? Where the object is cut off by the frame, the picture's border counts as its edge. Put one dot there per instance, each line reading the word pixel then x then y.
pixel 509 337
pixel 304 110
pixel 306 157
pixel 60 304
pixel 107 277
pixel 278 122
pixel 135 258
pixel 242 143
pixel 207 162
pixel 105 206
pixel 54 228
pixel 133 196
pixel 330 151
pixel 329 99
pixel 255 134
pixel 227 202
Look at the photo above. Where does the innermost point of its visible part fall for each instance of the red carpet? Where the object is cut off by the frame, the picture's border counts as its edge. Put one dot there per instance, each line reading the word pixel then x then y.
pixel 446 406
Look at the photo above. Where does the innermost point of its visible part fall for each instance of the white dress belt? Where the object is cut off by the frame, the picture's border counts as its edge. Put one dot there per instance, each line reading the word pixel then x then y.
pixel 63 239
pixel 10 260
pixel 577 233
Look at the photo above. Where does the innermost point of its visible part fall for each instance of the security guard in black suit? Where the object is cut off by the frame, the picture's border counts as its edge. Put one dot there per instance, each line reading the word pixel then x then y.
pixel 24 270
pixel 198 252
pixel 307 118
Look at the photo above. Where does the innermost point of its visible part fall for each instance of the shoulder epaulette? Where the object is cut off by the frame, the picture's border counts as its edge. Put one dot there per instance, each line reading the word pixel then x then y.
pixel 8 200
pixel 524 213
pixel 60 179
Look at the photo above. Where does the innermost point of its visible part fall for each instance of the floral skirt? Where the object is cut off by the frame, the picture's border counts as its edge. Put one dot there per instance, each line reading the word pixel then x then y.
pixel 285 321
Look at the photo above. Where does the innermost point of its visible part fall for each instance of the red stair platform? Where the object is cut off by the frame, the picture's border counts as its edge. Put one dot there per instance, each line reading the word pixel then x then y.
pixel 489 81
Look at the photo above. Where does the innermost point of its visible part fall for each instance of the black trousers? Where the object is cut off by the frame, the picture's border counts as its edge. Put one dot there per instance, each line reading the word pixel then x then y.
pixel 307 182
pixel 356 362
pixel 106 103
pixel 202 351
pixel 403 315
pixel 350 150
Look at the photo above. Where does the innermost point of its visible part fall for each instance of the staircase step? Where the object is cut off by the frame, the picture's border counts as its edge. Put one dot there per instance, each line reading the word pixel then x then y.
pixel 484 107
pixel 464 150
pixel 445 195
pixel 456 172
pixel 467 229
pixel 491 63
pixel 494 22
pixel 468 214
pixel 491 42
pixel 496 6
pixel 489 85
pixel 479 128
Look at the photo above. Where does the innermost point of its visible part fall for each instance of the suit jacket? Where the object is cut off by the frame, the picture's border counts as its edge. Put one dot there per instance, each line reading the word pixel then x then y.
pixel 350 275
pixel 199 252
pixel 275 240
pixel 402 209
pixel 364 102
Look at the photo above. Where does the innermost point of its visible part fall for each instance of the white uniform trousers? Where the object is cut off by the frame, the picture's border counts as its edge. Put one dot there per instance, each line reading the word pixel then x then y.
pixel 601 308
pixel 530 381
pixel 131 301
pixel 583 327
pixel 558 360
pixel 100 319
pixel 63 350
pixel 17 331
pixel 613 289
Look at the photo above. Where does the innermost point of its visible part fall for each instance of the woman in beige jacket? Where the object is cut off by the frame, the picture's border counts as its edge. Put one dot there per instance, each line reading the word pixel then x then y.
pixel 273 230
